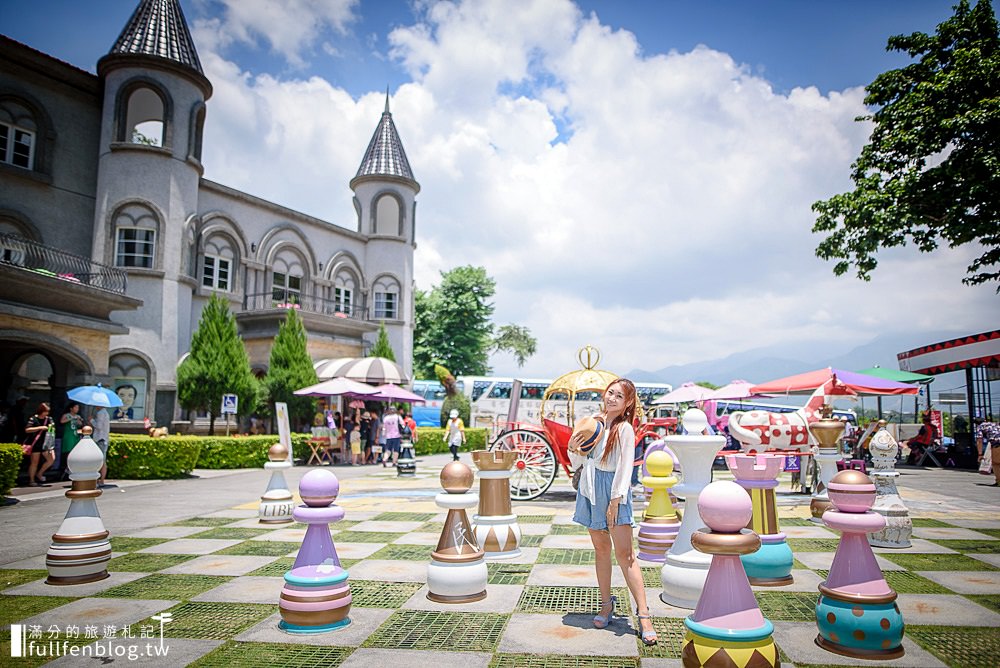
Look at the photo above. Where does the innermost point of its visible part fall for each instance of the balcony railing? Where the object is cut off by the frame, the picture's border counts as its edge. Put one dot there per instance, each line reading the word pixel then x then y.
pixel 263 301
pixel 48 261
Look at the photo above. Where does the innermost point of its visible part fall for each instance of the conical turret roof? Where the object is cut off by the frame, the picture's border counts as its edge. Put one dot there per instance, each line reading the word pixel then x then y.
pixel 385 155
pixel 157 28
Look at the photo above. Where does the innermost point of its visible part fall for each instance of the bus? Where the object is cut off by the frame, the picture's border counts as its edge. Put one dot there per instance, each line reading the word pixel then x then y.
pixel 428 414
pixel 489 398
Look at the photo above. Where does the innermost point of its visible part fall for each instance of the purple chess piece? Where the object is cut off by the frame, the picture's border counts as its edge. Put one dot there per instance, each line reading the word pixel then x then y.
pixel 316 596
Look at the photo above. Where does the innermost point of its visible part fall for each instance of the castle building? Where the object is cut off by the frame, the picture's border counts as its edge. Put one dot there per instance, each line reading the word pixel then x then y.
pixel 112 240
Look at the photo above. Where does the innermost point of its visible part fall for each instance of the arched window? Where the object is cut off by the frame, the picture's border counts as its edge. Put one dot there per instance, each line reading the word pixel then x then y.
pixel 387 216
pixel 387 292
pixel 197 130
pixel 287 280
pixel 12 250
pixel 18 135
pixel 218 263
pixel 33 372
pixel 129 380
pixel 345 292
pixel 135 237
pixel 144 111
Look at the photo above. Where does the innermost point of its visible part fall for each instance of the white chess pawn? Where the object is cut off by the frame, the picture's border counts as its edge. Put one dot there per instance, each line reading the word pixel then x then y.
pixel 457 572
pixel 277 503
pixel 80 549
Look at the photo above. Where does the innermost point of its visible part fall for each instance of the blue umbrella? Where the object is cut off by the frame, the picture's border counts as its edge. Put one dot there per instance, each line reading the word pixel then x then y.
pixel 95 395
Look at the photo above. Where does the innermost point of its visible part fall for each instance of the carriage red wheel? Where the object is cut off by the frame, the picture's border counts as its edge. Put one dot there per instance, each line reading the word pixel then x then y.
pixel 535 469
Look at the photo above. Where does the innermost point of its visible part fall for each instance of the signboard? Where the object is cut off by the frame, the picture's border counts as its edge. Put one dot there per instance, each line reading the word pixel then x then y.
pixel 284 432
pixel 952 398
pixel 229 404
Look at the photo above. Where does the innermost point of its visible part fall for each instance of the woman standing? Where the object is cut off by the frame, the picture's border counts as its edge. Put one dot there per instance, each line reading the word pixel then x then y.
pixel 604 503
pixel 454 434
pixel 71 422
pixel 35 435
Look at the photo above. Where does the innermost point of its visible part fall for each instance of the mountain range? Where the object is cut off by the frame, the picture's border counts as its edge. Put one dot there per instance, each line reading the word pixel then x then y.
pixel 772 362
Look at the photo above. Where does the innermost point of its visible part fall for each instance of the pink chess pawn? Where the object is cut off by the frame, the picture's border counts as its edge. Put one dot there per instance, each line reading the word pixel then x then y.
pixel 727 627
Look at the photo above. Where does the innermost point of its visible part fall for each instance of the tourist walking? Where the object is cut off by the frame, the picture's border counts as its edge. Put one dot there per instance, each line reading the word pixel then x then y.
pixel 72 423
pixel 40 444
pixel 454 433
pixel 988 443
pixel 392 427
pixel 604 504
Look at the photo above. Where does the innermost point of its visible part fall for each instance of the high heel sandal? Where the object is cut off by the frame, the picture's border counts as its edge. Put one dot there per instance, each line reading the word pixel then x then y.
pixel 602 621
pixel 648 637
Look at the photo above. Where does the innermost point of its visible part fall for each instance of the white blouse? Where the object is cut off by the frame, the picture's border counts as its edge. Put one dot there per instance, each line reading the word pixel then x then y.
pixel 620 462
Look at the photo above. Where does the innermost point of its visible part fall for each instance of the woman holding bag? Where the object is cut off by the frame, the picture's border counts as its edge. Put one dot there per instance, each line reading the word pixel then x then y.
pixel 40 436
pixel 604 504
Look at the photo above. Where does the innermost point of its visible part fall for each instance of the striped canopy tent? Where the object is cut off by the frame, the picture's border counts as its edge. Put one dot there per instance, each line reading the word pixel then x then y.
pixel 371 370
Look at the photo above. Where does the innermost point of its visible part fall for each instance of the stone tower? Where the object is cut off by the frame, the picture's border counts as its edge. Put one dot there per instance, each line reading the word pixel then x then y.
pixel 385 200
pixel 149 168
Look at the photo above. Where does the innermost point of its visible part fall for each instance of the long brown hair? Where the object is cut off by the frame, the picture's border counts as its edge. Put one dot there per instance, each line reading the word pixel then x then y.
pixel 627 415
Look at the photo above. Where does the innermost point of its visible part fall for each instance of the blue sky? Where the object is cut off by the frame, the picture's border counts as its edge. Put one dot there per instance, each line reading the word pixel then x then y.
pixel 635 175
pixel 831 45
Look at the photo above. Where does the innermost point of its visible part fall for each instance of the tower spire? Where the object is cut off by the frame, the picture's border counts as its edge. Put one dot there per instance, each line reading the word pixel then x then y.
pixel 157 28
pixel 386 99
pixel 385 155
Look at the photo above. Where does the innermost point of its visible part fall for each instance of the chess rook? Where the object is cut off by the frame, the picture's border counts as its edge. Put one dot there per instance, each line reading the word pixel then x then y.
pixel 685 569
pixel 457 572
pixel 771 565
pixel 857 614
pixel 497 531
pixel 727 628
pixel 80 548
pixel 316 596
pixel 276 503
pixel 660 523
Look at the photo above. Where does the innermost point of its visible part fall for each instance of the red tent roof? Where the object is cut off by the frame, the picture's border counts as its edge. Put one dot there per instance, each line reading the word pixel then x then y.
pixel 857 383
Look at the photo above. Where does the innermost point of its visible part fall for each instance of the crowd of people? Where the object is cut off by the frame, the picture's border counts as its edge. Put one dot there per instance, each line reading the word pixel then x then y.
pixel 47 441
pixel 373 436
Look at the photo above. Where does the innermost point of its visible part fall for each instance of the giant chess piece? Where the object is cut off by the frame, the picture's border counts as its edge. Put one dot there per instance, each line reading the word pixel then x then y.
pixel 660 523
pixel 771 565
pixel 857 614
pixel 727 628
pixel 276 503
pixel 80 549
pixel 827 433
pixel 316 596
pixel 406 463
pixel 683 575
pixel 457 572
pixel 496 527
pixel 898 525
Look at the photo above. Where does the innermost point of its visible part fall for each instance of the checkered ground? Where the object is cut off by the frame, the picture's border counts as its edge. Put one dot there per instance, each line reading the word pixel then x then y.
pixel 219 575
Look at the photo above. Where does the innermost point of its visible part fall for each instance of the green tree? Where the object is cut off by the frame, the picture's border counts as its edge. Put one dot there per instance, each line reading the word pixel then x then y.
pixel 453 326
pixel 217 364
pixel 290 369
pixel 453 400
pixel 930 172
pixel 382 347
pixel 516 340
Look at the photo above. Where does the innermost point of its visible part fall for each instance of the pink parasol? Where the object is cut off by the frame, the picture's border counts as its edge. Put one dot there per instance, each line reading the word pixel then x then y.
pixel 686 393
pixel 736 389
pixel 390 392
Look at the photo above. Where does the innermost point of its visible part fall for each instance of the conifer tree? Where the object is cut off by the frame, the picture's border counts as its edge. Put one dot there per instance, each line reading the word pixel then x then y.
pixel 382 347
pixel 290 368
pixel 217 364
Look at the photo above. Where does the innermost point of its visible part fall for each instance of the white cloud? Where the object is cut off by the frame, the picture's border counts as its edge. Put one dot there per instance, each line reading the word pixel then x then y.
pixel 656 205
pixel 289 27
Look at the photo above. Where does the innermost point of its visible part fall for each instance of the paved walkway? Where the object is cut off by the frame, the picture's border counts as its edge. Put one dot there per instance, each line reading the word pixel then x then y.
pixel 194 547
